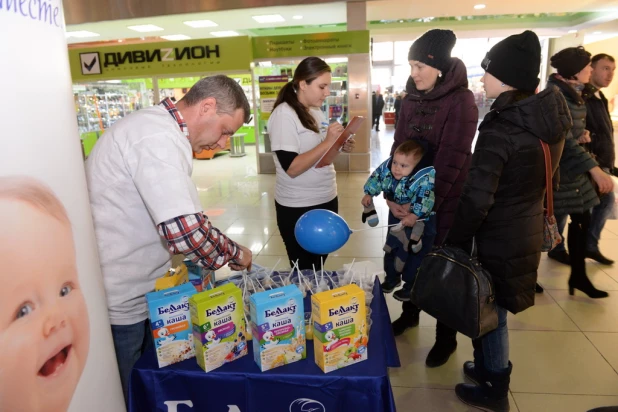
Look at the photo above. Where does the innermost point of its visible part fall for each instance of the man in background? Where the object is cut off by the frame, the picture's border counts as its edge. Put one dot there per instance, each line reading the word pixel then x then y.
pixel 599 123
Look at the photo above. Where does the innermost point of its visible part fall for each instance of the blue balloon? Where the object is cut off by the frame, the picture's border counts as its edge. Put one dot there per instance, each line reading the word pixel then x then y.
pixel 321 231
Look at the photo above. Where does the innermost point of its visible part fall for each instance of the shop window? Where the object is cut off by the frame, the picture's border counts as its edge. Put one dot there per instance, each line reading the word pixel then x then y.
pixel 382 52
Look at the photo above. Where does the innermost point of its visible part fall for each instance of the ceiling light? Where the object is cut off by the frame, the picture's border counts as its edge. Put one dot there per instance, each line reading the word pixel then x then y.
pixel 174 37
pixel 480 6
pixel 145 28
pixel 81 34
pixel 572 31
pixel 297 17
pixel 269 18
pixel 225 33
pixel 597 32
pixel 197 24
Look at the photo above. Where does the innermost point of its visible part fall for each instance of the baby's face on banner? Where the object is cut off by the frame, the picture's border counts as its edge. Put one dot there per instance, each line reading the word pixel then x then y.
pixel 44 329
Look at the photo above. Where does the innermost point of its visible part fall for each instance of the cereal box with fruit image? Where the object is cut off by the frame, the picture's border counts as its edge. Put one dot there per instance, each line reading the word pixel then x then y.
pixel 339 327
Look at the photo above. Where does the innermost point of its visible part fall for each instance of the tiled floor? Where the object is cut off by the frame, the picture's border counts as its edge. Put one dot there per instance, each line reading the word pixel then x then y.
pixel 564 349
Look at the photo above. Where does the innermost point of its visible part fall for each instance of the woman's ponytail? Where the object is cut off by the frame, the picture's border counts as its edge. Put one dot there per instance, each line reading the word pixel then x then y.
pixel 308 70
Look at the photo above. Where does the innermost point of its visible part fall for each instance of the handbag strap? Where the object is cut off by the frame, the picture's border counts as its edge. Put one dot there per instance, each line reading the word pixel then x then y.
pixel 549 192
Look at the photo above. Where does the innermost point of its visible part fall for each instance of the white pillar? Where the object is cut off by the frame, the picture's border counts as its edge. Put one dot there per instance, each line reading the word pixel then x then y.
pixel 39 139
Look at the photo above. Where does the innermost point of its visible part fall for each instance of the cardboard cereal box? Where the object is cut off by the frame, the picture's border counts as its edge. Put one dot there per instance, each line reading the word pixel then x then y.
pixel 339 327
pixel 202 278
pixel 173 277
pixel 170 321
pixel 278 327
pixel 219 326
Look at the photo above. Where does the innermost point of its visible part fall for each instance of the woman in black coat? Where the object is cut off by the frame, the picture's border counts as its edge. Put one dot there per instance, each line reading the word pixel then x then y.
pixel 501 207
pixel 576 195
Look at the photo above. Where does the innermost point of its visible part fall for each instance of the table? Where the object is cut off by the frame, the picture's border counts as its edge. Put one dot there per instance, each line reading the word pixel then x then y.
pixel 241 387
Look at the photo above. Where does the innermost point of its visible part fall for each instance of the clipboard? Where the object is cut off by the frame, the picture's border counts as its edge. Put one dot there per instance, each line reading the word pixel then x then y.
pixel 334 150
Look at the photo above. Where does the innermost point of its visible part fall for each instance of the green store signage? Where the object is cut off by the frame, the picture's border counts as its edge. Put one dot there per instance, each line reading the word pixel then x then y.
pixel 156 59
pixel 319 44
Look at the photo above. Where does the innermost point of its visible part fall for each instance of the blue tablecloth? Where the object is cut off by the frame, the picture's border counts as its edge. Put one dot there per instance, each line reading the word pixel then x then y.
pixel 301 386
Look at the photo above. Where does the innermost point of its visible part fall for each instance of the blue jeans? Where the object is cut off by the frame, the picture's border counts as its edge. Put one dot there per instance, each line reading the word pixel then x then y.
pixel 599 216
pixel 493 347
pixel 414 259
pixel 562 222
pixel 130 342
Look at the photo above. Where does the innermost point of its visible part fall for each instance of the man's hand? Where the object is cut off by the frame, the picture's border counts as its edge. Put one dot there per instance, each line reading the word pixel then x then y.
pixel 399 211
pixel 245 262
pixel 602 179
pixel 409 220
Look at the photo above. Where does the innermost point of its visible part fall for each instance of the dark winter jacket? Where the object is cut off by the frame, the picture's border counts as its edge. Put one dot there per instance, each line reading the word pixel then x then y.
pixel 599 123
pixel 445 120
pixel 502 201
pixel 397 104
pixel 576 193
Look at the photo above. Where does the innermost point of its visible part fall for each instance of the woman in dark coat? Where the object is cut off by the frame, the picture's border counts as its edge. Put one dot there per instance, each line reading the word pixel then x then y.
pixel 501 207
pixel 576 195
pixel 440 112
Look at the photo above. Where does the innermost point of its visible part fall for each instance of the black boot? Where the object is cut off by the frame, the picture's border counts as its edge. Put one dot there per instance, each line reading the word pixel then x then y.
pixel 409 319
pixel 445 345
pixel 578 279
pixel 491 395
pixel 538 288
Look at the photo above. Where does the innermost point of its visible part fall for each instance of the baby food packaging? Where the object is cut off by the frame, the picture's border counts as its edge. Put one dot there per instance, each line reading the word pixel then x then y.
pixel 202 278
pixel 170 321
pixel 278 327
pixel 174 277
pixel 339 327
pixel 219 326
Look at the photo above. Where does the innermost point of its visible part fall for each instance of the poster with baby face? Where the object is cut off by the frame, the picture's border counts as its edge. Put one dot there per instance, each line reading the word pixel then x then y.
pixel 56 352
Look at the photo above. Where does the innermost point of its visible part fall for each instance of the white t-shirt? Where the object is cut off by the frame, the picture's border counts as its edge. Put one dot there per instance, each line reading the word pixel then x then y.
pixel 315 186
pixel 139 175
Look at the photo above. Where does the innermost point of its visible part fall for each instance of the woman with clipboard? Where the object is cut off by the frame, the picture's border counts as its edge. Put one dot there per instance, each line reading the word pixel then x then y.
pixel 300 136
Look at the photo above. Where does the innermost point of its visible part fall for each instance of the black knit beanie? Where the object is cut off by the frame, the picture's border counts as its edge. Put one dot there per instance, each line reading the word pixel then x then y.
pixel 434 49
pixel 516 61
pixel 570 61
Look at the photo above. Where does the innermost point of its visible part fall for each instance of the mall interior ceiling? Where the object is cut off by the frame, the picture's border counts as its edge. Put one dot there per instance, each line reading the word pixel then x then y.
pixel 93 21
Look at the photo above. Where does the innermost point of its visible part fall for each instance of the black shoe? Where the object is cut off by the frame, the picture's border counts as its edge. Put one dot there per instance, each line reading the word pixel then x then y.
pixel 561 256
pixel 599 258
pixel 440 353
pixel 491 394
pixel 390 284
pixel 408 319
pixel 470 372
pixel 538 289
pixel 403 295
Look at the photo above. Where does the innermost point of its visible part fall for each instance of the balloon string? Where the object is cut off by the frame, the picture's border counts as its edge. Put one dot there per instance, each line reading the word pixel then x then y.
pixel 381 227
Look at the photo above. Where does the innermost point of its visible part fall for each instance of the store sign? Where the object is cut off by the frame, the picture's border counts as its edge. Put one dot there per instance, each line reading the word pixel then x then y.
pixel 318 44
pixel 155 59
pixel 269 90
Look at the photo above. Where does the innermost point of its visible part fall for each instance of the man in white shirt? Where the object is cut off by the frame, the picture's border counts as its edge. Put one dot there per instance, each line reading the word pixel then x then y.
pixel 146 207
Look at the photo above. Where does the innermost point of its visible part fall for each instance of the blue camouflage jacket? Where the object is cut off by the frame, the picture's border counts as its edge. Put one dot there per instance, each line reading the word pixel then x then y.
pixel 416 189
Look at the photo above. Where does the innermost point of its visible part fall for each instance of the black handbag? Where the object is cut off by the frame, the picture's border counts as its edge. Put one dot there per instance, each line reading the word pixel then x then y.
pixel 453 287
